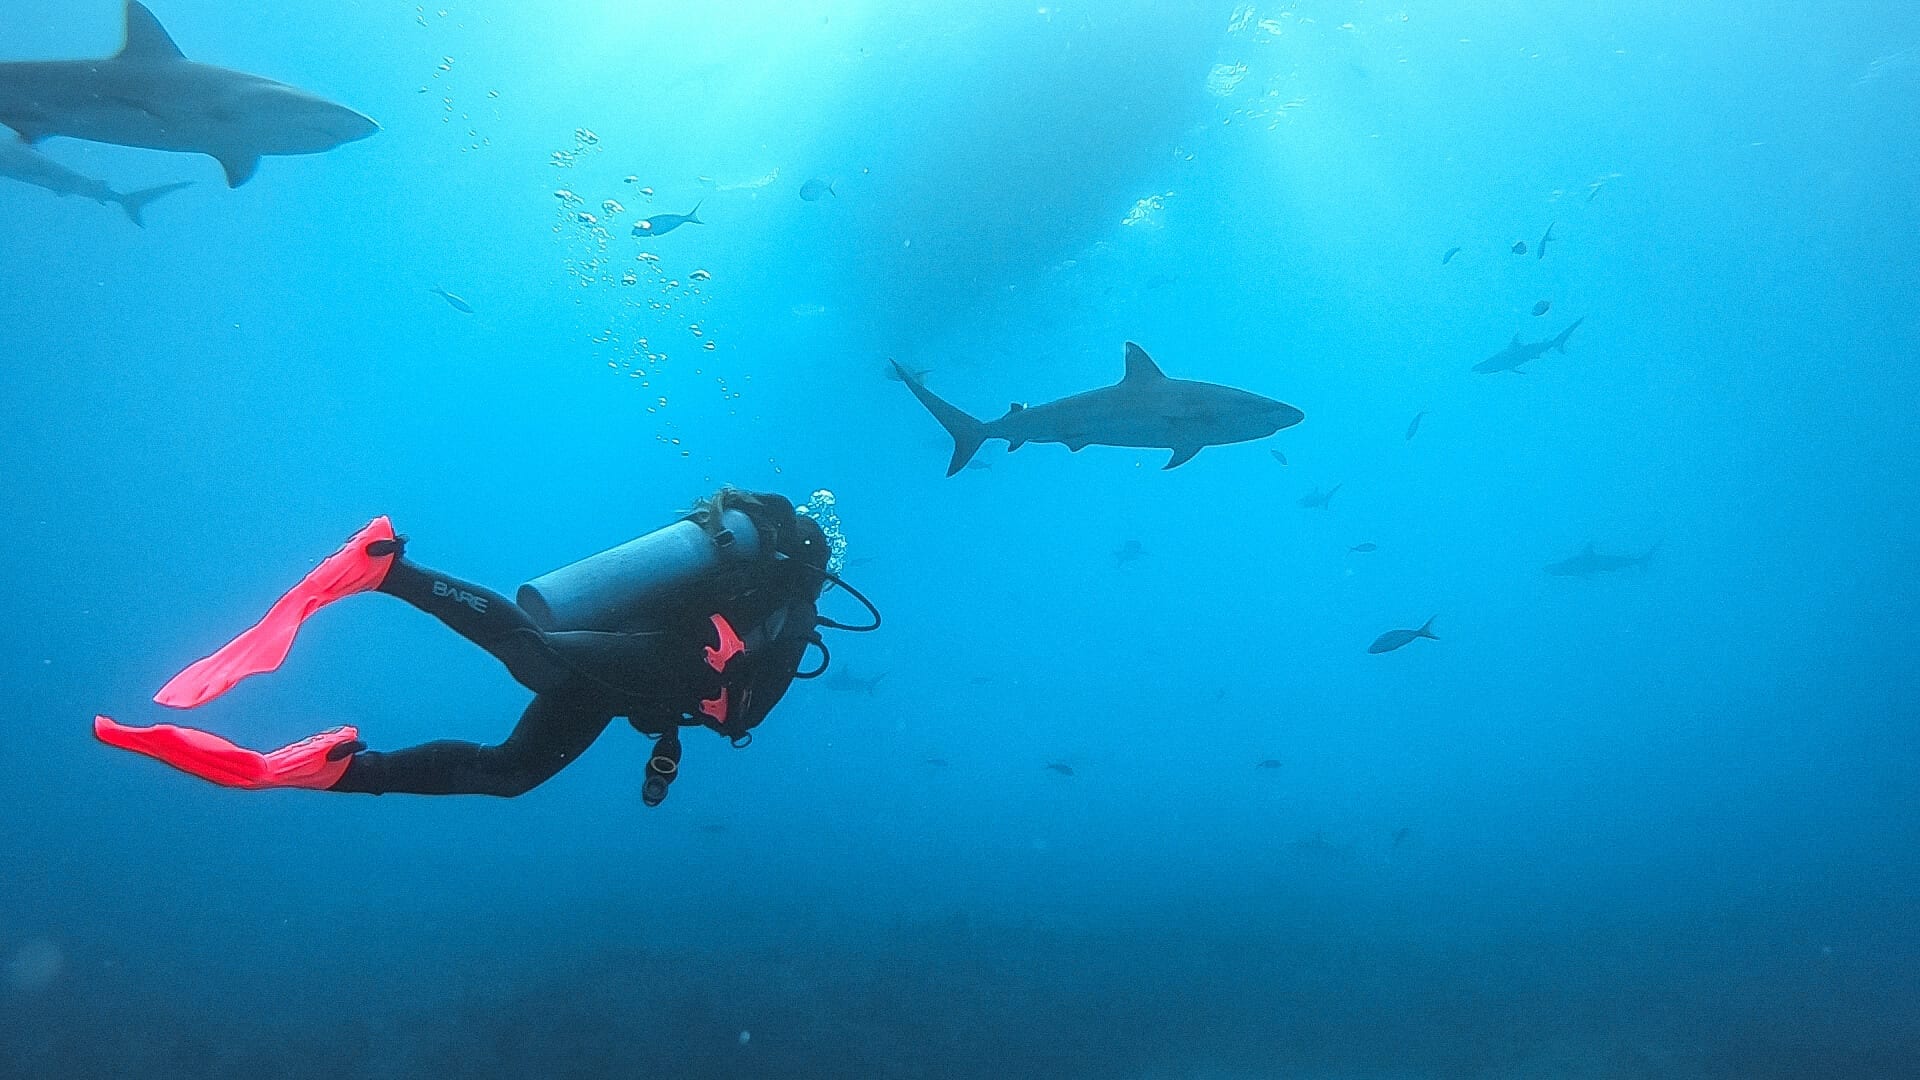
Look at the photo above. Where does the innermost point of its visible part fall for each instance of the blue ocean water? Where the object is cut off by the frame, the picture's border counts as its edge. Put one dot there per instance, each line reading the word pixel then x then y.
pixel 1659 822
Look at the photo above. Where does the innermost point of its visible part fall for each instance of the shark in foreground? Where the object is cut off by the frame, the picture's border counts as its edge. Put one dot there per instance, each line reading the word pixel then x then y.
pixel 1520 352
pixel 1590 562
pixel 1144 409
pixel 150 95
pixel 21 162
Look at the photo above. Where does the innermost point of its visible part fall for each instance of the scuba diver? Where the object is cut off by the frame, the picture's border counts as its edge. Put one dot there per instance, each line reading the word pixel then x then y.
pixel 703 623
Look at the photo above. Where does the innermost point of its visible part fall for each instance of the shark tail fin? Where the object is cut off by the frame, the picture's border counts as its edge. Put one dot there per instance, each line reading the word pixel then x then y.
pixel 1426 629
pixel 1560 343
pixel 135 202
pixel 693 215
pixel 967 432
pixel 1329 499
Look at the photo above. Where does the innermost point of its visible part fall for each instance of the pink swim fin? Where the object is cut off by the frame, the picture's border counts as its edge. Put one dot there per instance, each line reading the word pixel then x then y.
pixel 315 762
pixel 264 646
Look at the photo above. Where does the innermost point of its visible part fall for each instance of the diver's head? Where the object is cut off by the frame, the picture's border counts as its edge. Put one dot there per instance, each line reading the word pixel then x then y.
pixel 810 544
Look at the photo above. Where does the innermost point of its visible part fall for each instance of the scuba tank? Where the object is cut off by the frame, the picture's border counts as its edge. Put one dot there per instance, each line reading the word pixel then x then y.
pixel 617 588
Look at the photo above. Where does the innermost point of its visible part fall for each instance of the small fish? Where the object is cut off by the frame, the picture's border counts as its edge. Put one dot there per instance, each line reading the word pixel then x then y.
pixel 1448 257
pixel 1270 763
pixel 661 224
pixel 1317 499
pixel 453 301
pixel 1413 425
pixel 632 180
pixel 1402 834
pixel 1365 548
pixel 935 762
pixel 814 189
pixel 979 466
pixel 1128 552
pixel 1519 247
pixel 1542 253
pixel 1060 767
pixel 1542 308
pixel 1399 639
pixel 1277 455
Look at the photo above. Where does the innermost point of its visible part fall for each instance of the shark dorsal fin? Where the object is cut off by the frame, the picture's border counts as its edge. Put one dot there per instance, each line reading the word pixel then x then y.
pixel 146 38
pixel 1140 366
pixel 1015 407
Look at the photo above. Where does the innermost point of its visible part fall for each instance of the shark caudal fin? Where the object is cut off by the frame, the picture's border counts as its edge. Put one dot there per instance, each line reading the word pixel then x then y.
pixel 967 432
pixel 1426 629
pixel 135 202
pixel 1560 343
pixel 693 215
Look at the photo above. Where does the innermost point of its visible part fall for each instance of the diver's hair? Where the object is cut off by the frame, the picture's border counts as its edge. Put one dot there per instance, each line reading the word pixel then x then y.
pixel 707 511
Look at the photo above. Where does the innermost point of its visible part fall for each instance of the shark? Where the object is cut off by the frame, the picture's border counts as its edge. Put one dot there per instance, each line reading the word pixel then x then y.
pixel 21 162
pixel 1520 352
pixel 1144 409
pixel 1590 562
pixel 150 95
pixel 1317 499
pixel 847 682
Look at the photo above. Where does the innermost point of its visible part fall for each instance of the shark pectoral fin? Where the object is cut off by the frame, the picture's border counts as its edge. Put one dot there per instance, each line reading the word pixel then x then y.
pixel 29 133
pixel 239 166
pixel 1181 455
pixel 146 38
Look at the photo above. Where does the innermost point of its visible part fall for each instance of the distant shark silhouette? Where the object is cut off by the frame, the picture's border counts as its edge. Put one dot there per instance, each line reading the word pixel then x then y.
pixel 1144 409
pixel 21 162
pixel 847 682
pixel 150 95
pixel 1317 499
pixel 1519 352
pixel 1590 562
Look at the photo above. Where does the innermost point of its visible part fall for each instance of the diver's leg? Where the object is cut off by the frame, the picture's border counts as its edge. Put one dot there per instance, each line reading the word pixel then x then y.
pixel 483 617
pixel 551 733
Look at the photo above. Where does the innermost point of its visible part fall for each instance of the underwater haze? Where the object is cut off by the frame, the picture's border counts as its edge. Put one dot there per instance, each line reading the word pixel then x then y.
pixel 1136 781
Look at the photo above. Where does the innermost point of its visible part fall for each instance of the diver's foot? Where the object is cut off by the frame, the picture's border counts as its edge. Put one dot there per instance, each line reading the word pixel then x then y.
pixel 316 762
pixel 355 568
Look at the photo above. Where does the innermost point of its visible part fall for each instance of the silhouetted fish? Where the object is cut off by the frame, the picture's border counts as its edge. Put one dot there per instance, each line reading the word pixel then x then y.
pixel 1317 499
pixel 935 762
pixel 1270 763
pixel 1277 455
pixel 1413 425
pixel 662 224
pixel 1060 767
pixel 1398 639
pixel 1365 548
pixel 1448 257
pixel 1542 307
pixel 1128 552
pixel 814 189
pixel 1542 253
pixel 979 466
pixel 453 301
pixel 1401 835
pixel 1519 247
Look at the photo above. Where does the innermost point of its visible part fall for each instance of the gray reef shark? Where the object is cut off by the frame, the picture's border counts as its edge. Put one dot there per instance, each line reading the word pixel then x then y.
pixel 1519 352
pixel 1144 409
pixel 21 162
pixel 1590 562
pixel 150 95
pixel 847 682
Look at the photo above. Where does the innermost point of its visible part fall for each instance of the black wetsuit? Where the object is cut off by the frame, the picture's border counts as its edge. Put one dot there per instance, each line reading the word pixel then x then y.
pixel 659 678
